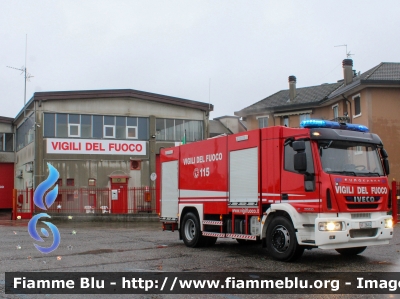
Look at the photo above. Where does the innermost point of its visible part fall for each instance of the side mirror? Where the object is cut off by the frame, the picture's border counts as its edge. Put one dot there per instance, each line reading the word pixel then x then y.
pixel 300 162
pixel 299 145
pixel 386 165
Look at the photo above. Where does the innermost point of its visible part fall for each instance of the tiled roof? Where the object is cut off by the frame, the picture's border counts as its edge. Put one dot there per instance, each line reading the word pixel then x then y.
pixel 385 72
pixel 304 96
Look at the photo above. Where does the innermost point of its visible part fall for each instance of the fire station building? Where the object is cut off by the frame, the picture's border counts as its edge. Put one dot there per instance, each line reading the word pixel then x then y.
pixel 105 145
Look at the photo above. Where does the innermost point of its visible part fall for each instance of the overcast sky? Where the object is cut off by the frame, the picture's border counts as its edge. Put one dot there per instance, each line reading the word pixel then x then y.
pixel 246 49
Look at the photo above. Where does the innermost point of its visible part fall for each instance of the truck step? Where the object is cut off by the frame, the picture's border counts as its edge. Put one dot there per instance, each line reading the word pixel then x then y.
pixel 212 222
pixel 211 234
pixel 241 236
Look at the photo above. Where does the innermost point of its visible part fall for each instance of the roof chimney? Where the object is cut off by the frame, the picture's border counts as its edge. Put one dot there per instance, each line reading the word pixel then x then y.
pixel 347 71
pixel 292 87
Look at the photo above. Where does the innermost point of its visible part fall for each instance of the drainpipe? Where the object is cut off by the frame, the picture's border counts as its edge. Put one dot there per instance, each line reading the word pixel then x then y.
pixel 349 113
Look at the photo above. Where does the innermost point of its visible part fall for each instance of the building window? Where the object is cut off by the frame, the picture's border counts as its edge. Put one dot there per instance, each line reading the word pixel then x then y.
pixel 49 125
pixel 176 129
pixel 160 129
pixel 97 126
pixel 263 122
pixel 170 129
pixel 357 105
pixel 74 127
pixel 94 126
pixel 131 132
pixel 143 128
pixel 286 121
pixel 92 182
pixel 120 128
pixel 86 126
pixel 109 127
pixel 59 182
pixel 70 182
pixel 6 142
pixel 335 109
pixel 62 125
pixel 109 131
pixel 304 117
pixel 9 142
pixel 25 132
pixel 74 130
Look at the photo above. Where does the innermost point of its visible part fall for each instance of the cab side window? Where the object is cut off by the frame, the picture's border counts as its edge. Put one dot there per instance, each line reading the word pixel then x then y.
pixel 289 157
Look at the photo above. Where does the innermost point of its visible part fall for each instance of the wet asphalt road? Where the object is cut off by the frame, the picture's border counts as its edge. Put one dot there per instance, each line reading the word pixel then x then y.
pixel 143 247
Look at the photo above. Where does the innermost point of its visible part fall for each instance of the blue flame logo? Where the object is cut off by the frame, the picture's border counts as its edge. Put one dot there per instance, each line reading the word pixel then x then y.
pixel 49 200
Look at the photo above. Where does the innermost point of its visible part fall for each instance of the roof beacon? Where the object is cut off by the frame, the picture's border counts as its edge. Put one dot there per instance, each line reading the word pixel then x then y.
pixel 318 123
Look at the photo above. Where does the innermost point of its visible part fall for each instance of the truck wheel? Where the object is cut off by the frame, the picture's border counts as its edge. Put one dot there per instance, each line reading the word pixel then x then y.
pixel 281 240
pixel 191 233
pixel 351 251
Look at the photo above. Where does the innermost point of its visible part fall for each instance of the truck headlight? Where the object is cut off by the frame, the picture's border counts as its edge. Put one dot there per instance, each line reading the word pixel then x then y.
pixel 389 223
pixel 331 226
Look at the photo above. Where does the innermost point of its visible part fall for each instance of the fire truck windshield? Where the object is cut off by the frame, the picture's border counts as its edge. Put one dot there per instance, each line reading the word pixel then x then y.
pixel 350 158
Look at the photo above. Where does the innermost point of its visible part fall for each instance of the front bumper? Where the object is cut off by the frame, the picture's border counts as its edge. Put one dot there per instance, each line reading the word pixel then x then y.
pixel 352 235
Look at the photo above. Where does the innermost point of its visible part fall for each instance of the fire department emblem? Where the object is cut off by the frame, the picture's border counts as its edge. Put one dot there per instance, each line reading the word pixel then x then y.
pixel 196 173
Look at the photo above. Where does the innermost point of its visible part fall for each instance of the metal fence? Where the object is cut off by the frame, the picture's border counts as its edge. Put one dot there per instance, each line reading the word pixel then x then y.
pixel 93 201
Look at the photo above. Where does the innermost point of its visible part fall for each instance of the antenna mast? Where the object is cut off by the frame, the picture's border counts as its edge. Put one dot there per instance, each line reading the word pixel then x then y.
pixel 348 54
pixel 27 76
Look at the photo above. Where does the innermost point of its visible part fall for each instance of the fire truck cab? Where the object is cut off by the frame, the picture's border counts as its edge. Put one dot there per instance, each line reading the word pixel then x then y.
pixel 323 185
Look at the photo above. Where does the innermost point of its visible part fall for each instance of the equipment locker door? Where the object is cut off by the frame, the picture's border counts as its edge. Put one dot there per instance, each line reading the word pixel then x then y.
pixel 243 176
pixel 169 189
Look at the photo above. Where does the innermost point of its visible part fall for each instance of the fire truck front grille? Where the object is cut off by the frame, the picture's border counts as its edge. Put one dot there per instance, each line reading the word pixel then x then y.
pixel 363 233
pixel 361 215
pixel 369 206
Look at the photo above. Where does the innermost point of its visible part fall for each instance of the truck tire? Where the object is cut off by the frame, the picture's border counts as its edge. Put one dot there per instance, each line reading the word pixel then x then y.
pixel 281 240
pixel 351 251
pixel 190 231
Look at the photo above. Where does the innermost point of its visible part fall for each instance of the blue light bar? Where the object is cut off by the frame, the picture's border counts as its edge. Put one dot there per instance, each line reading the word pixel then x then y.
pixel 355 127
pixel 319 123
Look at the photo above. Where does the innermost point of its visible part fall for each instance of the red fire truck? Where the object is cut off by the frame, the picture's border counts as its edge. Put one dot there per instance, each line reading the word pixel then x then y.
pixel 323 185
